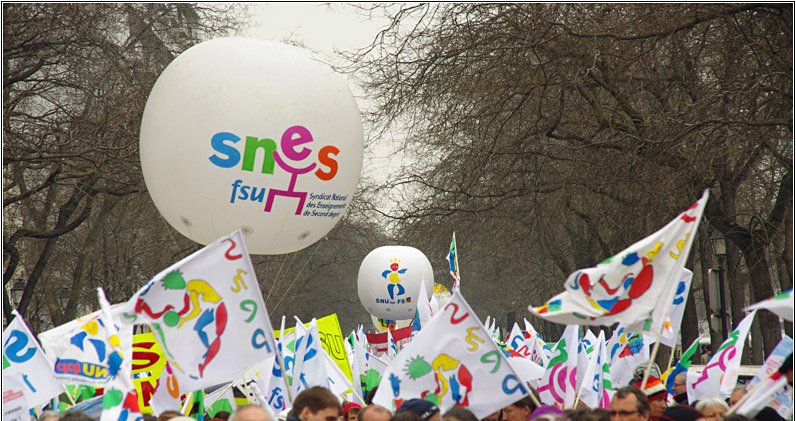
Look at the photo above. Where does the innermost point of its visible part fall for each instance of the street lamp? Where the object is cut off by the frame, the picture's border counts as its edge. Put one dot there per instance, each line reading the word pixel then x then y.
pixel 63 297
pixel 720 249
pixel 16 292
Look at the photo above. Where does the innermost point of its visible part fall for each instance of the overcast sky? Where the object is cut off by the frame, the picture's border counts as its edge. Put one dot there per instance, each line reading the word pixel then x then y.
pixel 324 28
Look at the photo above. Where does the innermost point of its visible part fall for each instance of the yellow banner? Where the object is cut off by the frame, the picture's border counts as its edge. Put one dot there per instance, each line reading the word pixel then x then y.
pixel 331 340
pixel 148 363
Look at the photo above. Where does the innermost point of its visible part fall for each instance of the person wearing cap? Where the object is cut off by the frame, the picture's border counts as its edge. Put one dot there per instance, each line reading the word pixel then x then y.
pixel 427 410
pixel 548 413
pixel 350 411
pixel 681 413
pixel 656 394
pixel 629 404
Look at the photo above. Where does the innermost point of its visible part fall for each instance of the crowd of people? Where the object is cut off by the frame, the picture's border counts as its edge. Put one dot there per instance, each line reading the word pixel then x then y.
pixel 629 403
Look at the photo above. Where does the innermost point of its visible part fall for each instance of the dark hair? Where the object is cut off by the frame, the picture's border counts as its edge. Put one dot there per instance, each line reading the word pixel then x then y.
pixel 787 365
pixel 457 413
pixel 583 415
pixel 642 403
pixel 405 416
pixel 526 401
pixel 149 417
pixel 75 416
pixel 371 407
pixel 315 398
pixel 602 414
pixel 224 415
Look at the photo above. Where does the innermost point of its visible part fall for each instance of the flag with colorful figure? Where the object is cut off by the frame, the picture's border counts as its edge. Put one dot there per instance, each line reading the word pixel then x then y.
pixel 682 365
pixel 629 286
pixel 120 399
pixel 671 328
pixel 780 304
pixel 597 387
pixel 557 386
pixel 207 313
pixel 719 376
pixel 453 263
pixel 452 362
pixel 540 351
pixel 25 365
pixel 81 352
pixel 167 392
pixel 781 399
pixel 626 350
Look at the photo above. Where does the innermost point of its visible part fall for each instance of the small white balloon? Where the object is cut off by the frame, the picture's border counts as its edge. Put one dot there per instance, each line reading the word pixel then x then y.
pixel 251 134
pixel 389 281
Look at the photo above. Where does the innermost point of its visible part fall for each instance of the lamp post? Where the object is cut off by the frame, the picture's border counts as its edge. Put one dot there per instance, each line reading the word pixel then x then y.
pixel 720 249
pixel 16 292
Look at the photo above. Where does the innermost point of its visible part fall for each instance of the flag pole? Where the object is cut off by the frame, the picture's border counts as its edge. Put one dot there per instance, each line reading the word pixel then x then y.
pixel 686 251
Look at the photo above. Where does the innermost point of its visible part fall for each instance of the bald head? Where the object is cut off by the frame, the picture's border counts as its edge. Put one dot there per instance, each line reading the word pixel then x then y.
pixel 250 413
pixel 374 412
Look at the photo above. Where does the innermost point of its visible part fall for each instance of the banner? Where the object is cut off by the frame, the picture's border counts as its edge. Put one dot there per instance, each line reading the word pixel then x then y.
pixel 207 314
pixel 26 370
pixel 331 341
pixel 452 362
pixel 81 352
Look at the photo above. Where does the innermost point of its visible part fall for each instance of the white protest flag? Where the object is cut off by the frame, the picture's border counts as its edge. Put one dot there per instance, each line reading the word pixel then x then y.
pixel 392 348
pixel 775 393
pixel 270 382
pixel 81 352
pixel 626 351
pixel 424 310
pixel 516 342
pixel 540 352
pixel 630 286
pixel 762 394
pixel 718 377
pixel 781 305
pixel 557 386
pixel 671 328
pixel 24 363
pixel 207 313
pixel 167 392
pixel 586 348
pixel 353 364
pixel 120 399
pixel 597 385
pixel 452 362
pixel 309 368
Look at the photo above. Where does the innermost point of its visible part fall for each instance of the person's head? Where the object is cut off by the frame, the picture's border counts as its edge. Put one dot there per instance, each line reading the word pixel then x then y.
pixel 712 409
pixel 679 384
pixel 406 416
pixel 586 415
pixel 681 413
pixel 629 404
pixel 169 414
pixel 656 395
pixel 350 411
pixel 49 416
pixel 495 416
pixel 250 413
pixel 223 415
pixel 457 413
pixel 316 404
pixel 75 416
pixel 548 413
pixel 520 410
pixel 736 395
pixel 426 409
pixel 374 412
pixel 148 417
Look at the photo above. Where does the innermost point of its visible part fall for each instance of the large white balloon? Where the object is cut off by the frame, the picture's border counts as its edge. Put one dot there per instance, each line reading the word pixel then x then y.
pixel 389 281
pixel 252 134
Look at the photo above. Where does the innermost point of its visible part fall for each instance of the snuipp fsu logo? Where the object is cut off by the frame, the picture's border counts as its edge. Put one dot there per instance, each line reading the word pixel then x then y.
pixel 395 288
pixel 294 155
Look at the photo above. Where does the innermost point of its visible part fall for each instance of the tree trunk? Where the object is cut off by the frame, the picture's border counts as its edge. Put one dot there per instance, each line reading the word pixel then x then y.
pixel 755 257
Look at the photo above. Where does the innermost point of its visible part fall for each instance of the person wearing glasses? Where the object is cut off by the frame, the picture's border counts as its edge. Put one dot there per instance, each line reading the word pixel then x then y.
pixel 680 392
pixel 629 404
